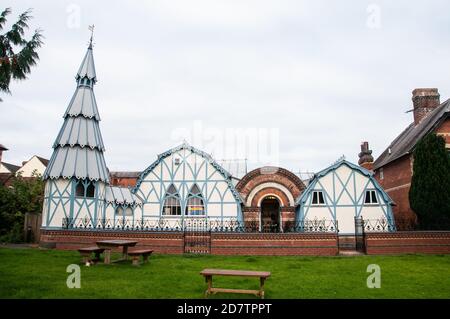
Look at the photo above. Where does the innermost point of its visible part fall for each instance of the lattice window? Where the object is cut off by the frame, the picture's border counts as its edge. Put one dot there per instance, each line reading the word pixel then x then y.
pixel 195 205
pixel 172 206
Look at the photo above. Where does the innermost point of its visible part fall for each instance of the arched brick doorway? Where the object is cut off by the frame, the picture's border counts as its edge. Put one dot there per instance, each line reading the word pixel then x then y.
pixel 274 183
pixel 270 214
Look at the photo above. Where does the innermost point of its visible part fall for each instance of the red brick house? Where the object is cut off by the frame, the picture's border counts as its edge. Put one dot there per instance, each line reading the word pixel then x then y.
pixel 394 167
pixel 124 179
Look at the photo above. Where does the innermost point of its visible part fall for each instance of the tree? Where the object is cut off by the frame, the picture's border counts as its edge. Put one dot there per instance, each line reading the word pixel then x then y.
pixel 429 195
pixel 23 196
pixel 17 55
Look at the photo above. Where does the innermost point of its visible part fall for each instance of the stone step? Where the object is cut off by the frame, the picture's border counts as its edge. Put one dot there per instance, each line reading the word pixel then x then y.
pixel 350 253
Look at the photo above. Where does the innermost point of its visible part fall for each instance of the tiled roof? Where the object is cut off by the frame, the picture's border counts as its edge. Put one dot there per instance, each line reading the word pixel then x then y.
pixel 124 174
pixel 407 140
pixel 43 160
pixel 11 167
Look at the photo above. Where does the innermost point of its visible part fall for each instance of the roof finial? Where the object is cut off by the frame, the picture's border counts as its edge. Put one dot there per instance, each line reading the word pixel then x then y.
pixel 91 28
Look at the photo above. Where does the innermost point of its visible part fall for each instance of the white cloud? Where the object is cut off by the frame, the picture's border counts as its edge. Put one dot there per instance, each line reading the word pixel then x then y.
pixel 313 70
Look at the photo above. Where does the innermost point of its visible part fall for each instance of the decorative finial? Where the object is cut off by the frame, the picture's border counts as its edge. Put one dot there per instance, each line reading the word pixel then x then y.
pixel 340 159
pixel 91 28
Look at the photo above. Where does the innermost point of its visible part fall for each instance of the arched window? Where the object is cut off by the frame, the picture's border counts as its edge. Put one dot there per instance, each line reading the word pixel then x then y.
pixel 90 189
pixel 195 205
pixel 79 189
pixel 85 189
pixel 119 211
pixel 172 205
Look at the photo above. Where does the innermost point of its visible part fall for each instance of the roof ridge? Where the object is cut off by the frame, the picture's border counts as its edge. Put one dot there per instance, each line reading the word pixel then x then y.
pixel 405 142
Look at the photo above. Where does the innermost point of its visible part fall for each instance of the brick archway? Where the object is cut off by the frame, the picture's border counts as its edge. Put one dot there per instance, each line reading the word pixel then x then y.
pixel 270 181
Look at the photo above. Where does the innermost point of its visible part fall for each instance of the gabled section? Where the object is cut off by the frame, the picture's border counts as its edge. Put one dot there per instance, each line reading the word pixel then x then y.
pixel 301 200
pixel 210 160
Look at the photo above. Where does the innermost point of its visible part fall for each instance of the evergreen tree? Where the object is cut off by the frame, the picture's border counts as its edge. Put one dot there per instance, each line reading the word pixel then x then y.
pixel 17 55
pixel 429 195
pixel 26 195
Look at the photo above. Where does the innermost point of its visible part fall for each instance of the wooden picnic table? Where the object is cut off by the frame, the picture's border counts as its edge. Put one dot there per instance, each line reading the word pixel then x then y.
pixel 209 273
pixel 108 245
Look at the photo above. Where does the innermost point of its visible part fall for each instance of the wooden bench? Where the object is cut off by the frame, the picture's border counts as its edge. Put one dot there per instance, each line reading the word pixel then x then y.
pixel 86 254
pixel 135 254
pixel 209 273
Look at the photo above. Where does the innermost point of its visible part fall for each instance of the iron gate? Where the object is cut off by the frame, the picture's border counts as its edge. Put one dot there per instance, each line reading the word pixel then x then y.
pixel 197 236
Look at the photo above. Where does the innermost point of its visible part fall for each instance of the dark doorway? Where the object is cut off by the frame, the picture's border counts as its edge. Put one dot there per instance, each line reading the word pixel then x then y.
pixel 270 215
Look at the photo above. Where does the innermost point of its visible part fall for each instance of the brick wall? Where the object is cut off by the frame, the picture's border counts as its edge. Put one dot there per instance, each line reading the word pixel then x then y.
pixel 221 243
pixel 397 182
pixel 417 242
pixel 398 174
pixel 124 181
pixel 285 244
pixel 274 244
pixel 171 243
pixel 444 131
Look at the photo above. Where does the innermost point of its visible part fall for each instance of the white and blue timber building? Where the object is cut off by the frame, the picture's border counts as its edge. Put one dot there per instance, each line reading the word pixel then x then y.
pixel 186 186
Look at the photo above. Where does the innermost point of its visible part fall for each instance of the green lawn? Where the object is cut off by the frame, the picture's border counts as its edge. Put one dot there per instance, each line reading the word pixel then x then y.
pixel 35 273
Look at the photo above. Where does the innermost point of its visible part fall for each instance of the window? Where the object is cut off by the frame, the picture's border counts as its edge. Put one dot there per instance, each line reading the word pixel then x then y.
pixel 128 211
pixel 85 189
pixel 381 174
pixel 90 190
pixel 79 190
pixel 119 211
pixel 195 205
pixel 318 198
pixel 371 197
pixel 172 202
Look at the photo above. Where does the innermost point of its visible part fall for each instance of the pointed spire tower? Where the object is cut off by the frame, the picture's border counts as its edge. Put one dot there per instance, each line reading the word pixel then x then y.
pixel 78 148
pixel 77 173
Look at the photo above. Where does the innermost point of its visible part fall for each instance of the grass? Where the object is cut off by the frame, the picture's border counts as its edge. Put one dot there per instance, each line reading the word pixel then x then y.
pixel 36 273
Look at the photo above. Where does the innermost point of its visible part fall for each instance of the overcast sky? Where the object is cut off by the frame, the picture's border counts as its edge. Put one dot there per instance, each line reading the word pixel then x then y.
pixel 309 80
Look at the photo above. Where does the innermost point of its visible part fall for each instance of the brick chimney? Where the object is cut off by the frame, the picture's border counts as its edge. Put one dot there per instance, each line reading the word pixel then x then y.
pixel 2 148
pixel 424 101
pixel 365 157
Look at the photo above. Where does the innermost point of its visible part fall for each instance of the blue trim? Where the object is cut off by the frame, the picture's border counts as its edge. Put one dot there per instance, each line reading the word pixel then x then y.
pixel 304 202
pixel 186 146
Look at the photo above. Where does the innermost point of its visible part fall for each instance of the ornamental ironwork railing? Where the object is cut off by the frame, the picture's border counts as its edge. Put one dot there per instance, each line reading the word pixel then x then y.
pixel 378 225
pixel 313 226
pixel 405 224
pixel 194 224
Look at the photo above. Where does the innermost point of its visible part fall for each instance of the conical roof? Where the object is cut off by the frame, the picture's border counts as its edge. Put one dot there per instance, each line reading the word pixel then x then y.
pixel 87 67
pixel 78 148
